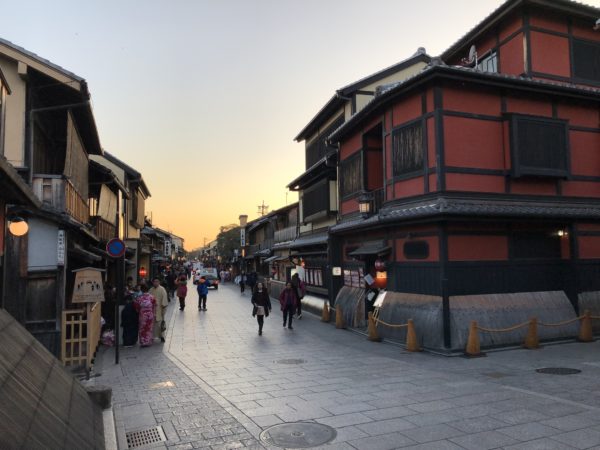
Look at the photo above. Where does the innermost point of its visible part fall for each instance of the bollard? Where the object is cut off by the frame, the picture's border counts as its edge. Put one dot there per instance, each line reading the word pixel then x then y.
pixel 473 349
pixel 411 338
pixel 372 329
pixel 532 341
pixel 325 314
pixel 585 331
pixel 339 319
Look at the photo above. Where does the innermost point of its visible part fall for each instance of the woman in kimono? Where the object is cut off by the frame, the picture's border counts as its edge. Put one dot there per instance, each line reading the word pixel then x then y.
pixel 145 305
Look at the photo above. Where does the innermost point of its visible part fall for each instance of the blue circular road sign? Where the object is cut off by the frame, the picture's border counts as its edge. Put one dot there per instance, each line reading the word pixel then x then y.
pixel 115 247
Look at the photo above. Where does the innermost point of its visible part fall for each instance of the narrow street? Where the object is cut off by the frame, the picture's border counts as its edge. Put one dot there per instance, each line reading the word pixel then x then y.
pixel 217 384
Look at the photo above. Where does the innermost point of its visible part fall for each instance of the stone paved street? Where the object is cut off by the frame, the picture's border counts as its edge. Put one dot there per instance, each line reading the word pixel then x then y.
pixel 217 384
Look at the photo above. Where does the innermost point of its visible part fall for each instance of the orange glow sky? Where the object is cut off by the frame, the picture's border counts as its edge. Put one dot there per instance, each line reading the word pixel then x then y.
pixel 205 97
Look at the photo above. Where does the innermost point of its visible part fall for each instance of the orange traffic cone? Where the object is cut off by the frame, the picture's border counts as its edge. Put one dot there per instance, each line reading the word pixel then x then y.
pixel 339 318
pixel 325 314
pixel 532 341
pixel 473 349
pixel 585 332
pixel 411 338
pixel 372 329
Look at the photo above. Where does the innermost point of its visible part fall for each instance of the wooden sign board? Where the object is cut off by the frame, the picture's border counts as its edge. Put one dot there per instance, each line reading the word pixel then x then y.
pixel 88 286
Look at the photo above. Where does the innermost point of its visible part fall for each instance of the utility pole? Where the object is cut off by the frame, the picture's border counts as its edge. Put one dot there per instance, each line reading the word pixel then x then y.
pixel 263 209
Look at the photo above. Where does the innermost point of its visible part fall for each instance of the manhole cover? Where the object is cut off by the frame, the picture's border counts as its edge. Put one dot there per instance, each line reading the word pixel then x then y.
pixel 290 361
pixel 298 435
pixel 558 370
pixel 145 437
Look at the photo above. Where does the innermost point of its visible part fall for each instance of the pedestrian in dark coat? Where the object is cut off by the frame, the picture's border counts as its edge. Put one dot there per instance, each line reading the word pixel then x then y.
pixel 182 291
pixel 299 289
pixel 261 305
pixel 130 323
pixel 289 302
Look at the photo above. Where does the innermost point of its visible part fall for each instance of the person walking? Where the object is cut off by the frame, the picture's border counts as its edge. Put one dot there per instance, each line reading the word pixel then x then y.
pixel 162 301
pixel 129 323
pixel 202 288
pixel 145 305
pixel 261 305
pixel 182 291
pixel 299 289
pixel 243 282
pixel 288 302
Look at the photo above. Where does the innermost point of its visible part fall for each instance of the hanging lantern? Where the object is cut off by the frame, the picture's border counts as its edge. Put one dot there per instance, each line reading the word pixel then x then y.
pixel 142 272
pixel 17 226
pixel 379 265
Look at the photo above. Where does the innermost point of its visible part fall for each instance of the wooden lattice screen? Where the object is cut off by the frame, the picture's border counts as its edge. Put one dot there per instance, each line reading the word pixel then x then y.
pixel 80 335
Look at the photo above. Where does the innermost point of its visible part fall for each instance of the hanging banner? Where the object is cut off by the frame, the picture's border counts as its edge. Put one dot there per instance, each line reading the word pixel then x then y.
pixel 167 248
pixel 60 248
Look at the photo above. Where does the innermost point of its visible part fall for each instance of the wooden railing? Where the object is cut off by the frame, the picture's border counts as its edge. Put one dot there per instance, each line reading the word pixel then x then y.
pixel 103 229
pixel 80 335
pixel 58 192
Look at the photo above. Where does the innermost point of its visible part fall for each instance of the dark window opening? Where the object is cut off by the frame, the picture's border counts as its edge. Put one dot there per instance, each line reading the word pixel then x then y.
pixel 351 175
pixel 488 63
pixel 407 149
pixel 586 60
pixel 318 148
pixel 416 250
pixel 539 146
pixel 316 199
pixel 536 245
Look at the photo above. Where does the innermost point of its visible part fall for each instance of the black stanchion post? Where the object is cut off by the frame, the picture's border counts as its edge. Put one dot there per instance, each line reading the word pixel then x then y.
pixel 120 301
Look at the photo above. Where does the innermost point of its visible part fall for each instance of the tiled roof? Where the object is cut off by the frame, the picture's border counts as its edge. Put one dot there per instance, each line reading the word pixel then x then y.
pixel 506 7
pixel 386 92
pixel 447 206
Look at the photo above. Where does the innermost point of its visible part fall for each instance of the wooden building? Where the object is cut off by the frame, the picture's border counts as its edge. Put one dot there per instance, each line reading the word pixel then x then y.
pixel 479 179
pixel 317 185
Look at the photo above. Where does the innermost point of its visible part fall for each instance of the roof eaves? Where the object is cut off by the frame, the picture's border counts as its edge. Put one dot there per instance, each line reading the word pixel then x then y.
pixel 330 107
pixel 419 56
pixel 42 61
pixel 391 91
pixel 508 7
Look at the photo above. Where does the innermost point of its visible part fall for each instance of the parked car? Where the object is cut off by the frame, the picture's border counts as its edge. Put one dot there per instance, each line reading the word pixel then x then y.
pixel 213 280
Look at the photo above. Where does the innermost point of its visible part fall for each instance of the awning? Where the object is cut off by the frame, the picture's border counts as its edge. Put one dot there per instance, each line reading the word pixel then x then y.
pixel 371 248
pixel 275 258
pixel 83 253
pixel 310 239
pixel 13 188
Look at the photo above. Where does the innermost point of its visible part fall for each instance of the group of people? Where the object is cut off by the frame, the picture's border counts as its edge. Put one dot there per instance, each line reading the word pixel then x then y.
pixel 290 302
pixel 143 316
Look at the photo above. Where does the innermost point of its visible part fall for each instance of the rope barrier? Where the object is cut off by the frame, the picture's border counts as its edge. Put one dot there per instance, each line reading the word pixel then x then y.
pixel 502 330
pixel 559 324
pixel 379 321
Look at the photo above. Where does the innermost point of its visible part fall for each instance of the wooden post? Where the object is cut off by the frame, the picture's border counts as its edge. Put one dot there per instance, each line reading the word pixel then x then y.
pixel 372 329
pixel 339 319
pixel 473 348
pixel 532 341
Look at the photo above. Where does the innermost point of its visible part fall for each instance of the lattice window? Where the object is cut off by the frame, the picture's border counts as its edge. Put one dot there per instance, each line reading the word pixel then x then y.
pixel 351 175
pixel 407 149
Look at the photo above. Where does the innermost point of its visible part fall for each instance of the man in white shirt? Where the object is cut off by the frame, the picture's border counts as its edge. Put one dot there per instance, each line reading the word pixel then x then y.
pixel 162 301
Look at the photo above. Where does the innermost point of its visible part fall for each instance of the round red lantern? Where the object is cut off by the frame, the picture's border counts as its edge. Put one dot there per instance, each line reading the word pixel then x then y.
pixel 379 265
pixel 142 272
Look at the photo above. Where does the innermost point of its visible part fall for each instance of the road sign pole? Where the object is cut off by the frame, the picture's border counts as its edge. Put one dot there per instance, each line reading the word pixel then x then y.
pixel 120 301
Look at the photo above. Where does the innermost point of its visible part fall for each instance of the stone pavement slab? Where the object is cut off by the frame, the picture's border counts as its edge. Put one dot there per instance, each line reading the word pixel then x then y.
pixel 217 384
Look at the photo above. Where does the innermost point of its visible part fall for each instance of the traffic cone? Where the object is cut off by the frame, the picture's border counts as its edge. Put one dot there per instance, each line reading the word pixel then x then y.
pixel 532 341
pixel 339 319
pixel 325 314
pixel 585 330
pixel 411 338
pixel 372 329
pixel 473 349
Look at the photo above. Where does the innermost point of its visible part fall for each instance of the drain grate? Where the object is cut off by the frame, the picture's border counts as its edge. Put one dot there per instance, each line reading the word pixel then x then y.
pixel 298 435
pixel 558 370
pixel 144 437
pixel 291 361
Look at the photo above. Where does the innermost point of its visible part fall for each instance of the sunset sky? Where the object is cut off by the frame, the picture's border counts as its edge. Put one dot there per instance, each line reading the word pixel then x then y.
pixel 205 97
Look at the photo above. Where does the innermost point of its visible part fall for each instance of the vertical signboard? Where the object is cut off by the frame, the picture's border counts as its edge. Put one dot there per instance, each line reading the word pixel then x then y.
pixel 242 237
pixel 168 248
pixel 60 248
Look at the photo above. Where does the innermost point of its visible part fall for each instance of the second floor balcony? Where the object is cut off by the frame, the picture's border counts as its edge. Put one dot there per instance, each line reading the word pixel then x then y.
pixel 103 229
pixel 58 192
pixel 286 234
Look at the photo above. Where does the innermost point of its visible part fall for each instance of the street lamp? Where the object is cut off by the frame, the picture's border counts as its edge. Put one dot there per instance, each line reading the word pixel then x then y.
pixel 18 226
pixel 364 203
